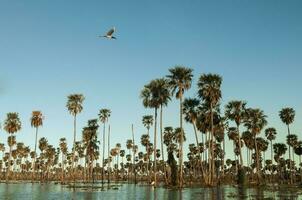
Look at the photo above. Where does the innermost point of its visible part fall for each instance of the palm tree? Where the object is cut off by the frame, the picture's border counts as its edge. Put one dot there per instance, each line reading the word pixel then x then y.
pixel 165 98
pixel 270 134
pixel 36 121
pixel 180 80
pixel 152 96
pixel 63 148
pixel 292 141
pixel 209 90
pixel 279 150
pixel 190 110
pixel 235 111
pixel 89 137
pixel 147 122
pixel 104 115
pixel 12 125
pixel 74 106
pixel 129 146
pixel 298 151
pixel 255 121
pixel 287 116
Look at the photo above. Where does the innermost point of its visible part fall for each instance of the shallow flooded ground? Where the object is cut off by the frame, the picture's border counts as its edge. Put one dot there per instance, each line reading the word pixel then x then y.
pixel 131 191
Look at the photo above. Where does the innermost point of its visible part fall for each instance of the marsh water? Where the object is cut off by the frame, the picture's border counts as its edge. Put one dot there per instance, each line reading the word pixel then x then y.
pixel 131 191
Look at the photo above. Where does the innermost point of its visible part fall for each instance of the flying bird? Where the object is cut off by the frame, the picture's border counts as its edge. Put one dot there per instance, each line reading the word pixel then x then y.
pixel 109 34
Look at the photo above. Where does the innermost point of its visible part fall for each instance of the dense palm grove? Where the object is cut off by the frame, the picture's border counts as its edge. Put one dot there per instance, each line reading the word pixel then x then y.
pixel 163 161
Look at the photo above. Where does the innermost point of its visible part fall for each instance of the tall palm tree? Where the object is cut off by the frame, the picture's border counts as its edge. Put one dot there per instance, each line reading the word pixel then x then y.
pixel 153 97
pixel 270 134
pixel 255 121
pixel 165 98
pixel 287 116
pixel 209 91
pixel 180 80
pixel 147 122
pixel 36 121
pixel 89 137
pixel 190 110
pixel 104 115
pixel 235 111
pixel 74 106
pixel 12 125
pixel 63 148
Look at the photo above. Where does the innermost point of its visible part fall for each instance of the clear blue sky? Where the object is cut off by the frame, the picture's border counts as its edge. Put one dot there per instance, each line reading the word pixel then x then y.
pixel 49 49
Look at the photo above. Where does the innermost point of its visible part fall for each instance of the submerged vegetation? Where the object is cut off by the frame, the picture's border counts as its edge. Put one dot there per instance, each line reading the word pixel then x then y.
pixel 163 162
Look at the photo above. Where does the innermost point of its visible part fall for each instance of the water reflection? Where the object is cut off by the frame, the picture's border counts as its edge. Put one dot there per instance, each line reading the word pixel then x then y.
pixel 130 191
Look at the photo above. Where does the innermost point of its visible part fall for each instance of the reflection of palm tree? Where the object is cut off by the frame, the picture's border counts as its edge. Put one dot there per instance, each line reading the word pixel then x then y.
pixel 287 116
pixel 180 79
pixel 36 121
pixel 12 125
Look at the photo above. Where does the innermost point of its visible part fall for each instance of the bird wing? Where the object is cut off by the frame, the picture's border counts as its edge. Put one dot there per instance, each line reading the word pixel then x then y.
pixel 109 33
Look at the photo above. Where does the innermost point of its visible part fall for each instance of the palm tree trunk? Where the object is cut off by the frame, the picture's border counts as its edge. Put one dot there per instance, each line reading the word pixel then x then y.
pixel 272 151
pixel 62 172
pixel 109 163
pixel 197 145
pixel 9 164
pixel 300 168
pixel 239 142
pixel 74 142
pixel 161 142
pixel 34 160
pixel 223 156
pixel 212 145
pixel 148 157
pixel 257 160
pixel 155 141
pixel 103 157
pixel 289 157
pixel 133 149
pixel 181 143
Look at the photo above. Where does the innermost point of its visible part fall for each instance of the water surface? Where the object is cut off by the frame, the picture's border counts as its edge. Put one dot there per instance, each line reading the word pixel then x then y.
pixel 26 191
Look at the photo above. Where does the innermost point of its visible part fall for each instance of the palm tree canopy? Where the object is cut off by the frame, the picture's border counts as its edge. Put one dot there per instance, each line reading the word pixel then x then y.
pixel 209 88
pixel 298 148
pixel 292 140
pixel 190 109
pixel 270 133
pixel 280 149
pixel 180 79
pixel 255 120
pixel 74 103
pixel 287 115
pixel 235 111
pixel 36 119
pixel 104 115
pixel 43 143
pixel 156 93
pixel 147 121
pixel 12 123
